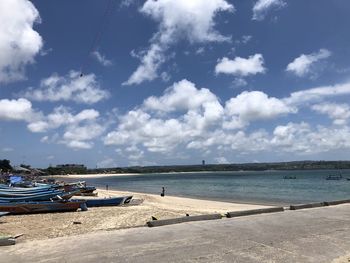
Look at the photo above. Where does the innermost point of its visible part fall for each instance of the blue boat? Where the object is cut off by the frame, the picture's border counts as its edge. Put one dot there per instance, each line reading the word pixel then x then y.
pixel 6 188
pixel 24 194
pixel 46 196
pixel 113 201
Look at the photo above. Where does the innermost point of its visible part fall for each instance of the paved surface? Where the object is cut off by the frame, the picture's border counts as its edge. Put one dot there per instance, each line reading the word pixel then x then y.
pixel 312 235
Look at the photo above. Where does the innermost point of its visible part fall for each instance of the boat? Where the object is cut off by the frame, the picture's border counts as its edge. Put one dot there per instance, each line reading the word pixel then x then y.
pixel 27 189
pixel 289 177
pixel 42 207
pixel 112 201
pixel 3 213
pixel 334 177
pixel 39 196
pixel 25 194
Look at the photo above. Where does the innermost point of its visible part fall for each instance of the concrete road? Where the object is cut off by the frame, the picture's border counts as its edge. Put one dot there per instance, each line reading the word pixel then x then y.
pixel 311 235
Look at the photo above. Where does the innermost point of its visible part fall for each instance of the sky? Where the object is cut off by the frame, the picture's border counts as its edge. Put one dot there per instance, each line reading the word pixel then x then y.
pixel 143 82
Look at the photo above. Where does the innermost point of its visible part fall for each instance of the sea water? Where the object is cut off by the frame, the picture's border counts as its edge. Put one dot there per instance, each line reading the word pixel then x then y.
pixel 263 187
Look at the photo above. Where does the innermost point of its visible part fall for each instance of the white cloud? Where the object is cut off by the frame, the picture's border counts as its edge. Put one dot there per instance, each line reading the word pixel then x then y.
pixel 190 120
pixel 339 113
pixel 73 87
pixel 83 133
pixel 181 96
pixel 187 116
pixel 16 110
pixel 189 20
pixel 301 138
pixel 240 82
pixel 254 105
pixel 101 59
pixel 316 94
pixel 241 67
pixel 19 43
pixel 221 160
pixel 305 64
pixel 261 8
pixel 61 116
pixel 77 145
pixel 79 130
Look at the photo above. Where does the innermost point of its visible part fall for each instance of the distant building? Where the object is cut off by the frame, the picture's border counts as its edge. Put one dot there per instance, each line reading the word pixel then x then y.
pixel 203 162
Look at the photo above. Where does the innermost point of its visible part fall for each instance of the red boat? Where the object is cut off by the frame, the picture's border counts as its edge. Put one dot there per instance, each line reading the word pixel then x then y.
pixel 42 207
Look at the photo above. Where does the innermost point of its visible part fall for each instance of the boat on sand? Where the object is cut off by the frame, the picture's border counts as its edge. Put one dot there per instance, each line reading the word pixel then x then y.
pixel 42 207
pixel 112 201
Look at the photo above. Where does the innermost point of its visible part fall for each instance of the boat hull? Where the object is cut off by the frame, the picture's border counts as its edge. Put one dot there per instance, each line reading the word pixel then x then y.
pixel 41 207
pixel 38 197
pixel 113 201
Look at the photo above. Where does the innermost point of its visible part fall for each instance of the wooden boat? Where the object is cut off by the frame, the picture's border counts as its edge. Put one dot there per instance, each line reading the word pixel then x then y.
pixel 39 197
pixel 42 207
pixel 3 213
pixel 113 201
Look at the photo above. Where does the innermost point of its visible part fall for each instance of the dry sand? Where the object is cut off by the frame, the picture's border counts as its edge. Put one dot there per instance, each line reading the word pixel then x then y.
pixel 43 226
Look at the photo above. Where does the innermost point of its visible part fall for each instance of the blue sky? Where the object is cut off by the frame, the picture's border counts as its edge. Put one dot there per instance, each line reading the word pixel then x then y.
pixel 174 82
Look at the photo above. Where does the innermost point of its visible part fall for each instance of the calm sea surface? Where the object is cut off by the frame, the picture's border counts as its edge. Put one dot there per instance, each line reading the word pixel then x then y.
pixel 257 187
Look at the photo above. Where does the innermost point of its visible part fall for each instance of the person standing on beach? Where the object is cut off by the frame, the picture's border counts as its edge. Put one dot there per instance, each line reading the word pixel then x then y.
pixel 163 192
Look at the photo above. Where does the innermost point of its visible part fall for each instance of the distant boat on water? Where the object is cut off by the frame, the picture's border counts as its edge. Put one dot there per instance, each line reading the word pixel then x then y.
pixel 334 177
pixel 289 177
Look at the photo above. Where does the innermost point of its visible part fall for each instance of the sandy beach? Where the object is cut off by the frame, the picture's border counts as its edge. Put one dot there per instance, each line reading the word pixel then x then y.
pixel 44 226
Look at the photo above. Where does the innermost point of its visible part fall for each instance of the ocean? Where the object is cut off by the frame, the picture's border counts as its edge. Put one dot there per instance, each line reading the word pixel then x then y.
pixel 263 187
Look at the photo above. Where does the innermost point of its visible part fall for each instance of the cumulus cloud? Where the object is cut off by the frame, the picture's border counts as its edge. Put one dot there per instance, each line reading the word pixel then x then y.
pixel 303 139
pixel 187 116
pixel 339 113
pixel 254 105
pixel 192 21
pixel 62 116
pixel 79 130
pixel 73 87
pixel 241 67
pixel 19 42
pixel 262 7
pixel 304 65
pixel 101 59
pixel 16 110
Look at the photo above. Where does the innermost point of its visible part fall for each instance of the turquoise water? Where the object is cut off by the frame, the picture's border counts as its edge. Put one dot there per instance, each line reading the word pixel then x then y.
pixel 257 187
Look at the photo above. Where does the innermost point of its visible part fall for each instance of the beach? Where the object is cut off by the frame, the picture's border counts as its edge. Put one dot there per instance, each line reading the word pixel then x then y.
pixel 51 225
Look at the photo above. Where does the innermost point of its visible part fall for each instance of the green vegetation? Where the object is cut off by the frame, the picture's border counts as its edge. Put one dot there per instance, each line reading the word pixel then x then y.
pixel 65 170
pixel 5 166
